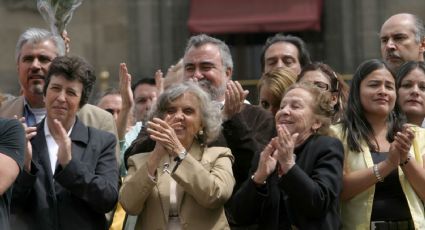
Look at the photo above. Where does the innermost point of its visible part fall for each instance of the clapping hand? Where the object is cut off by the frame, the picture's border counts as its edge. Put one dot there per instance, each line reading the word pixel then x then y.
pixel 235 96
pixel 266 164
pixel 63 141
pixel 30 132
pixel 285 144
pixel 162 132
pixel 403 141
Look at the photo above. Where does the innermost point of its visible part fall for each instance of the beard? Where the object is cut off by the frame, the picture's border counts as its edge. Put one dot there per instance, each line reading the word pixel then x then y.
pixel 214 92
pixel 37 87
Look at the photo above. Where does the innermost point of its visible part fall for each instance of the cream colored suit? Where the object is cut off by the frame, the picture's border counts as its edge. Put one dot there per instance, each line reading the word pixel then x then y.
pixel 205 183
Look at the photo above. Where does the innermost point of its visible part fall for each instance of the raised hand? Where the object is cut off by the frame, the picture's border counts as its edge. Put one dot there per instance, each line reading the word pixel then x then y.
pixel 162 132
pixel 402 143
pixel 63 141
pixel 30 132
pixel 159 81
pixel 125 86
pixel 234 99
pixel 285 144
pixel 266 164
pixel 67 41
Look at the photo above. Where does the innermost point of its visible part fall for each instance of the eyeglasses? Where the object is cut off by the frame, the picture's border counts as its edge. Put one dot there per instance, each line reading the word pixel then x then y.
pixel 321 85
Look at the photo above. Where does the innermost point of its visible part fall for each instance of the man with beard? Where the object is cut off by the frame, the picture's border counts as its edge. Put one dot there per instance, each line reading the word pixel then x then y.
pixel 35 50
pixel 402 39
pixel 245 128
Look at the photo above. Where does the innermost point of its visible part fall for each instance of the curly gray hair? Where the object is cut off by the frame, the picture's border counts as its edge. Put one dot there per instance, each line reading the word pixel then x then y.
pixel 210 110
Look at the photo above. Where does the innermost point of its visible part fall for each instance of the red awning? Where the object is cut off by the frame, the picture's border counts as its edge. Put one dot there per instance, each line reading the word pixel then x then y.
pixel 247 16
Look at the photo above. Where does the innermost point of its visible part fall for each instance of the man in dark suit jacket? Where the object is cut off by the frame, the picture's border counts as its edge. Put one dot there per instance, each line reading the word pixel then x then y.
pixel 70 178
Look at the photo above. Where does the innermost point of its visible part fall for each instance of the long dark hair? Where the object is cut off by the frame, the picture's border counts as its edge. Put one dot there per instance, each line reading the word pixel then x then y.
pixel 356 128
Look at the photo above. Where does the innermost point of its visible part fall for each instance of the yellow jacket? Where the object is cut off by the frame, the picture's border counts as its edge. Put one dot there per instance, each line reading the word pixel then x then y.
pixel 356 212
pixel 206 183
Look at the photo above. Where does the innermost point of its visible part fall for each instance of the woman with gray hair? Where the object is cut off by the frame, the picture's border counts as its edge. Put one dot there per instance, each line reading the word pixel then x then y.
pixel 182 183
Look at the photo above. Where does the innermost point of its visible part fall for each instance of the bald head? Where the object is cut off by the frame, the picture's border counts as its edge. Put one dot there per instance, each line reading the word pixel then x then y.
pixel 402 40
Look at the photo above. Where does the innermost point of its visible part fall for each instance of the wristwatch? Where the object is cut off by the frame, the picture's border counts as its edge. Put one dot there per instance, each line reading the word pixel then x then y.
pixel 180 156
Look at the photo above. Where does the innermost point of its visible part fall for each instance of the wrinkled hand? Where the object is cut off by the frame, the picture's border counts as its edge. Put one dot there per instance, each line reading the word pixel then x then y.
pixel 63 141
pixel 285 144
pixel 267 163
pixel 234 99
pixel 30 132
pixel 161 131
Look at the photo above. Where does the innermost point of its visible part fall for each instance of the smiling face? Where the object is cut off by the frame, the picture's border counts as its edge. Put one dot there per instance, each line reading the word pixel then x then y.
pixel 282 55
pixel 297 115
pixel 377 93
pixel 33 64
pixel 398 42
pixel 62 100
pixel 186 111
pixel 204 65
pixel 412 96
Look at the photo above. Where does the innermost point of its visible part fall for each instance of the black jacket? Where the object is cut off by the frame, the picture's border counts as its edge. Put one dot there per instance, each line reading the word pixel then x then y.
pixel 307 196
pixel 74 197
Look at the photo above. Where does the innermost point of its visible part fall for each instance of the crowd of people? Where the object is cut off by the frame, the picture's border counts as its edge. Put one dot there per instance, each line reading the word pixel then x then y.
pixel 188 151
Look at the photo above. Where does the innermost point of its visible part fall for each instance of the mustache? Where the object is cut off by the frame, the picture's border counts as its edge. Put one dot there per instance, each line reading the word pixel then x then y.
pixel 393 55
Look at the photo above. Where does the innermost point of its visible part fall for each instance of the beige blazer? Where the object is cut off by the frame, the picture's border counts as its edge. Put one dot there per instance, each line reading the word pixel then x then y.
pixel 205 182
pixel 90 115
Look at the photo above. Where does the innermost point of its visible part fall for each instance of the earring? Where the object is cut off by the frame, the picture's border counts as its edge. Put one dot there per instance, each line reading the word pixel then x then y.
pixel 201 137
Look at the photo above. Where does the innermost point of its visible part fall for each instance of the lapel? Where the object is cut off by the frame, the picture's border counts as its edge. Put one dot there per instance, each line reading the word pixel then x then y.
pixel 40 157
pixel 163 186
pixel 196 152
pixel 79 139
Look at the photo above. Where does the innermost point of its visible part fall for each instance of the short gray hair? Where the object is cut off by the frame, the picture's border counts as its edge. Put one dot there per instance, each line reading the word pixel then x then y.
pixel 202 39
pixel 419 28
pixel 37 35
pixel 210 111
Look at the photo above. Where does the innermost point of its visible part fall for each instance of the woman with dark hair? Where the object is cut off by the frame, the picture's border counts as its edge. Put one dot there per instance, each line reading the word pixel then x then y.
pixel 324 77
pixel 296 180
pixel 411 91
pixel 382 187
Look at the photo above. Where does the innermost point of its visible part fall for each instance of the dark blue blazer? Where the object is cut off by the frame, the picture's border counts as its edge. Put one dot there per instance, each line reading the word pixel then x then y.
pixel 74 197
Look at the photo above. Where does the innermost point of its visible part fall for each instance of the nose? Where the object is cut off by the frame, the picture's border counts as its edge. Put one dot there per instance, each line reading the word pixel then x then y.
pixel 179 116
pixel 35 64
pixel 284 110
pixel 390 44
pixel 279 64
pixel 383 90
pixel 61 96
pixel 197 74
pixel 415 89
